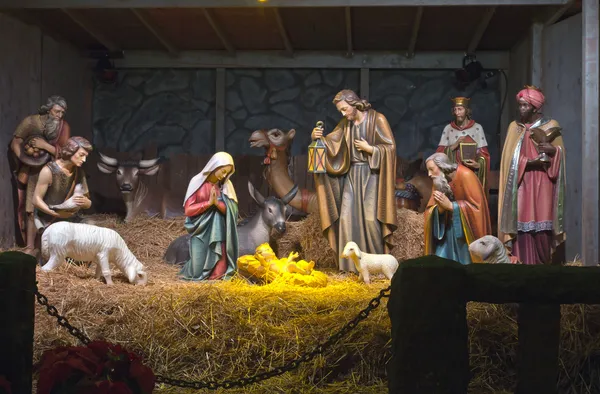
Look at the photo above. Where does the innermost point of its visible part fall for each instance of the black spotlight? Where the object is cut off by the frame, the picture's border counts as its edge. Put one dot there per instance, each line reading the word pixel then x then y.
pixel 470 72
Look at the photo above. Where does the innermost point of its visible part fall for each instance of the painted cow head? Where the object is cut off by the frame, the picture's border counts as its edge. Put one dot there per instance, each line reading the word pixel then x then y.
pixel 128 172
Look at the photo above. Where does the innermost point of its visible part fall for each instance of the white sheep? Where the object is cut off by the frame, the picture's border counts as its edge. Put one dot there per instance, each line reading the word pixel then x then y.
pixel 86 242
pixel 367 263
pixel 489 249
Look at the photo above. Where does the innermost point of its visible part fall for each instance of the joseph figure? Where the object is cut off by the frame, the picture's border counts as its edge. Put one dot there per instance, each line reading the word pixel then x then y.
pixel 463 129
pixel 532 192
pixel 457 213
pixel 356 195
pixel 48 131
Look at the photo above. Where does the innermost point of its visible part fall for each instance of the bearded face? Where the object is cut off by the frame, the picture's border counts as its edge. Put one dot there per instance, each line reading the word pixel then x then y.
pixel 52 122
pixel 440 183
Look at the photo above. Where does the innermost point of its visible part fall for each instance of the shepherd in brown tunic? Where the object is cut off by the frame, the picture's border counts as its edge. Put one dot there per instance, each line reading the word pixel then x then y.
pixel 45 132
pixel 356 195
pixel 57 181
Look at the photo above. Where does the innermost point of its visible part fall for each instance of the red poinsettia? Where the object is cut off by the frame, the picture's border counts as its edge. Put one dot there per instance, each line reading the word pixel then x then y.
pixel 98 368
pixel 4 385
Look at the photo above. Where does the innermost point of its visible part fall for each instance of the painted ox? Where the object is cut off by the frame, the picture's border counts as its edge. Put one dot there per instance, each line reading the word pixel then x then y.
pixel 138 197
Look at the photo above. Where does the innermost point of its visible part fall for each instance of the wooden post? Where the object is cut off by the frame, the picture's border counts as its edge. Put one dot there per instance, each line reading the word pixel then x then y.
pixel 537 31
pixel 539 337
pixel 590 177
pixel 17 287
pixel 428 312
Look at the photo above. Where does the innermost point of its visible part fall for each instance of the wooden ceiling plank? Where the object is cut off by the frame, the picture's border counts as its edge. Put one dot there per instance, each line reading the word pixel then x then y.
pixel 155 31
pixel 480 30
pixel 215 25
pixel 85 24
pixel 270 3
pixel 308 59
pixel 415 33
pixel 289 49
pixel 550 17
pixel 349 47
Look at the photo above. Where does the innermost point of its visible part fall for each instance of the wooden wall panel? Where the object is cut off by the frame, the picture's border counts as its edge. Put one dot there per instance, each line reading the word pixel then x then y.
pixel 20 46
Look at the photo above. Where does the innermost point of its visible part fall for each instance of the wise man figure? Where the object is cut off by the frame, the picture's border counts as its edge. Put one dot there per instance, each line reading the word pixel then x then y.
pixel 457 212
pixel 532 191
pixel 464 136
pixel 56 184
pixel 356 195
pixel 48 132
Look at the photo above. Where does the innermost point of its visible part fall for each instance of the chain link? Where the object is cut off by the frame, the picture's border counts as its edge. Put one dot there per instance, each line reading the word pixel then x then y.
pixel 227 384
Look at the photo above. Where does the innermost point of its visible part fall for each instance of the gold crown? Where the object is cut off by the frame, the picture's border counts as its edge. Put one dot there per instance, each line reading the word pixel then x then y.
pixel 461 101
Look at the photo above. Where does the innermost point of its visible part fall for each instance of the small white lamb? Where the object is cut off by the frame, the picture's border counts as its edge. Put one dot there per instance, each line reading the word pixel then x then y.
pixel 86 242
pixel 367 263
pixel 70 205
pixel 489 249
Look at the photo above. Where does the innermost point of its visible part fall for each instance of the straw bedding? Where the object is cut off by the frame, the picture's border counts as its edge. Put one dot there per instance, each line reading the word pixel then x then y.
pixel 307 238
pixel 226 330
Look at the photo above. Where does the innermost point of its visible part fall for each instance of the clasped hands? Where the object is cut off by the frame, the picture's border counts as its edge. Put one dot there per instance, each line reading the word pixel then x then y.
pixel 443 202
pixel 213 200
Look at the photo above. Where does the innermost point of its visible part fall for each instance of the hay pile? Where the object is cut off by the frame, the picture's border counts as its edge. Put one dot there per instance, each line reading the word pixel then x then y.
pixel 306 238
pixel 227 330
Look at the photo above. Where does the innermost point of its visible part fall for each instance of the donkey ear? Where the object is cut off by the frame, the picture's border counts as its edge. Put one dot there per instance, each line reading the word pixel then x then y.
pixel 255 194
pixel 291 133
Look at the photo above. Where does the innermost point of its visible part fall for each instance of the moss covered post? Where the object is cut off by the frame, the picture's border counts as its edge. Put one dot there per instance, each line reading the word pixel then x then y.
pixel 428 312
pixel 17 287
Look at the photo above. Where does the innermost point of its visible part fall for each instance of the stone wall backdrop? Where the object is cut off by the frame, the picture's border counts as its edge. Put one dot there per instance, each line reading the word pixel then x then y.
pixel 283 99
pixel 418 107
pixel 172 109
pixel 175 109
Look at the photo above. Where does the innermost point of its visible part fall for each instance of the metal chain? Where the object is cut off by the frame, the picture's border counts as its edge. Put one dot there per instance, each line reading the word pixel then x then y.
pixel 227 384
pixel 63 321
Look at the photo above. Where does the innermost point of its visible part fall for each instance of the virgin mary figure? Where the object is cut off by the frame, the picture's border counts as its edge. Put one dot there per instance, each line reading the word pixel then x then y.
pixel 211 210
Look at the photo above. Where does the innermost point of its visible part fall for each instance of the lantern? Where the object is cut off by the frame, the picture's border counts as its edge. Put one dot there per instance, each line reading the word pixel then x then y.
pixel 316 155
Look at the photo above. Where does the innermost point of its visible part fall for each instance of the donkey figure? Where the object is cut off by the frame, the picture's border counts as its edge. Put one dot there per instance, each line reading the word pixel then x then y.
pixel 251 232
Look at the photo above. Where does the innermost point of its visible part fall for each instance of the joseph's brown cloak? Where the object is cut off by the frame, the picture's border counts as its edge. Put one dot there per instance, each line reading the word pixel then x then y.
pixel 509 184
pixel 382 161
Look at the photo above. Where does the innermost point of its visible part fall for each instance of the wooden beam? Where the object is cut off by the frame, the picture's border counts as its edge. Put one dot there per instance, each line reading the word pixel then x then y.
pixel 308 59
pixel 590 177
pixel 254 3
pixel 92 31
pixel 155 31
pixel 481 28
pixel 220 110
pixel 283 33
pixel 222 36
pixel 537 31
pixel 348 13
pixel 364 83
pixel 415 33
pixel 551 16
